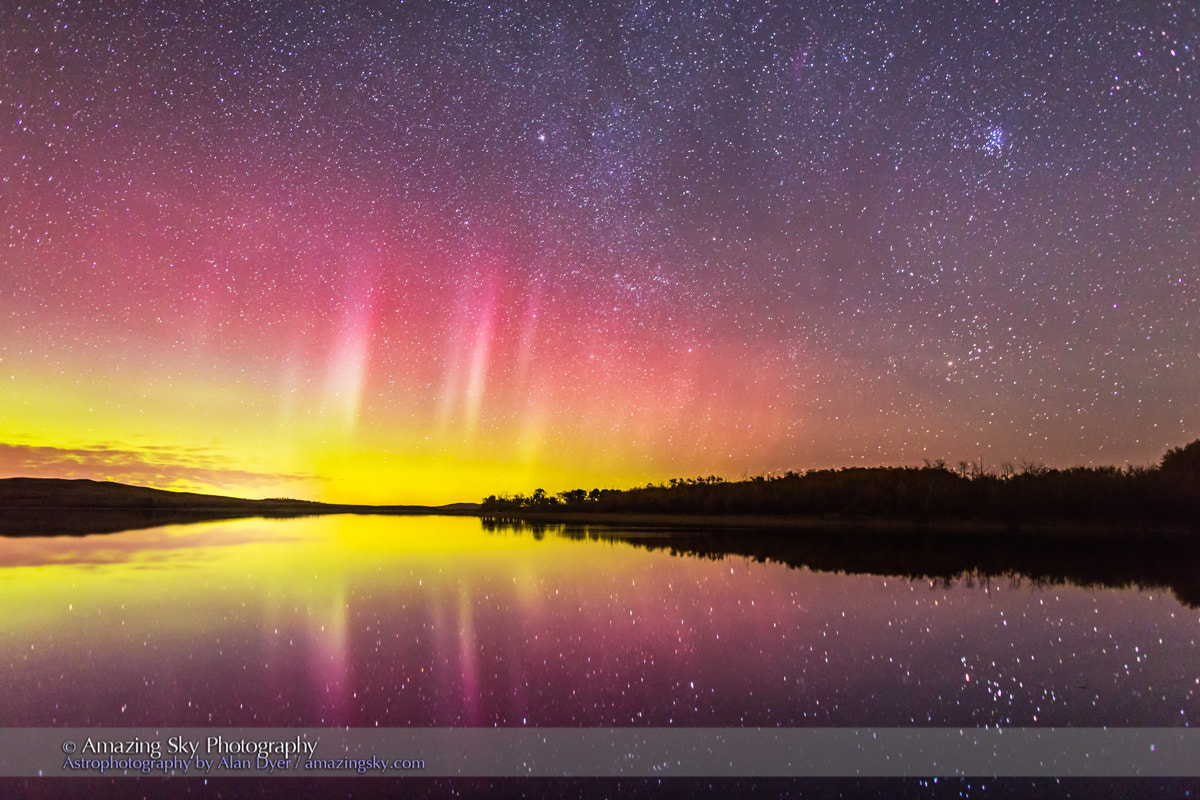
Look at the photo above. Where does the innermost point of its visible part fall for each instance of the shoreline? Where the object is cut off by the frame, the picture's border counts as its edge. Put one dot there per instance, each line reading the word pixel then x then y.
pixel 1105 552
pixel 86 520
pixel 79 520
pixel 873 525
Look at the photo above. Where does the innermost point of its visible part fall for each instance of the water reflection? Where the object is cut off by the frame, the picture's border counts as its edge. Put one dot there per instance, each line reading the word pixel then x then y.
pixel 1106 559
pixel 431 621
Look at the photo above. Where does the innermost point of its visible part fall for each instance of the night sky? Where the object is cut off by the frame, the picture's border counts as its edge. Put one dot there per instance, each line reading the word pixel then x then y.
pixel 424 252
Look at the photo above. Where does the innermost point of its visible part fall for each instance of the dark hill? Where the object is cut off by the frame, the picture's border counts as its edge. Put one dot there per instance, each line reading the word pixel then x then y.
pixel 60 493
pixel 53 506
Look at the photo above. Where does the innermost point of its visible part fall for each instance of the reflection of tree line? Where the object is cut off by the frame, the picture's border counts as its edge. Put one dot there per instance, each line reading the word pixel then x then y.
pixel 1168 493
pixel 1112 561
pixel 84 522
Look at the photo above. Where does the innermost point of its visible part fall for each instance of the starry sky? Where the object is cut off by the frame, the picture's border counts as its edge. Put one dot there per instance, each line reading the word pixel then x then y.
pixel 425 252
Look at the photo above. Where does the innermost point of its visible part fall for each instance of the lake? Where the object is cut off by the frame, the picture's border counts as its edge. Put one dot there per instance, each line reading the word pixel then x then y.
pixel 364 622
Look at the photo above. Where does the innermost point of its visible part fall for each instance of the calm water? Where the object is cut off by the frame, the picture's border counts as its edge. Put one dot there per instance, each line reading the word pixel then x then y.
pixel 364 621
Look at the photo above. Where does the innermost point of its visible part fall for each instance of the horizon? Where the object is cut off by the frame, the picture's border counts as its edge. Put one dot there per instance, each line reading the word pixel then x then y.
pixel 423 256
pixel 965 468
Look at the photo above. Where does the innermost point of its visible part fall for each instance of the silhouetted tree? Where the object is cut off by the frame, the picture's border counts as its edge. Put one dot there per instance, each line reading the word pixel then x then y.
pixel 1170 493
pixel 1182 459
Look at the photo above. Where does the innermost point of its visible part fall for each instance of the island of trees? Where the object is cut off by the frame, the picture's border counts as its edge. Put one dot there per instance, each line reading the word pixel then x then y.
pixel 1164 494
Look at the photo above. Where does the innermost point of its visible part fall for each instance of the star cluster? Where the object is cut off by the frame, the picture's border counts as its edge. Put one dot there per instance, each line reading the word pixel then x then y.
pixel 430 251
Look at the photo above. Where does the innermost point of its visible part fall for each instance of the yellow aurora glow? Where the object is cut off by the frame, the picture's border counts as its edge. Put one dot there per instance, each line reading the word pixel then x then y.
pixel 209 433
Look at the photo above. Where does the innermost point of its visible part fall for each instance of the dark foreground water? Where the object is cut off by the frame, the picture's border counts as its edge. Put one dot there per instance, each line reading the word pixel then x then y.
pixel 430 622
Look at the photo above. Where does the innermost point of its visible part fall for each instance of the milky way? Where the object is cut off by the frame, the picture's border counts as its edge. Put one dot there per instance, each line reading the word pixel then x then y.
pixel 431 251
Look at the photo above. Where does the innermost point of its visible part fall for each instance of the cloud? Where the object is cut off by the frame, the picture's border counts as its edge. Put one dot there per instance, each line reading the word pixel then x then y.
pixel 160 466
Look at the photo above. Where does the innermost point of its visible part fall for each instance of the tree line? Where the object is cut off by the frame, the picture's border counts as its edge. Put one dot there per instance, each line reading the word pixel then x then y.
pixel 1167 492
